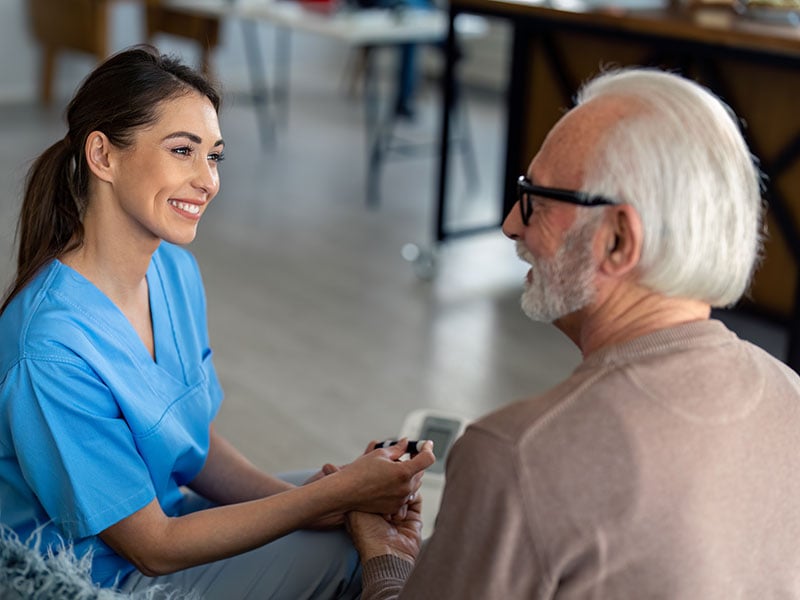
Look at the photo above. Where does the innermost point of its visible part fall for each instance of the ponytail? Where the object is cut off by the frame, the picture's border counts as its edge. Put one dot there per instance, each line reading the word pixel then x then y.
pixel 50 218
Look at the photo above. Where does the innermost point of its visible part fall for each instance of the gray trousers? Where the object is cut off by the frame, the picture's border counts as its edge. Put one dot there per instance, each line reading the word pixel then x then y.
pixel 303 564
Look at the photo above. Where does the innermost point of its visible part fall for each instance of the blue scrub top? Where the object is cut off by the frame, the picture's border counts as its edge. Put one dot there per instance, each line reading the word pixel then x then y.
pixel 91 428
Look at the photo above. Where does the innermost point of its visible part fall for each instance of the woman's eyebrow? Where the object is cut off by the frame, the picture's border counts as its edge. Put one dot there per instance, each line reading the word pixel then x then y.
pixel 192 137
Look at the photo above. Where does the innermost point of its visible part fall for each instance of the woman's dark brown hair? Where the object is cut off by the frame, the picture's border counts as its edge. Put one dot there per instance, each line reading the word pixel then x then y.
pixel 120 96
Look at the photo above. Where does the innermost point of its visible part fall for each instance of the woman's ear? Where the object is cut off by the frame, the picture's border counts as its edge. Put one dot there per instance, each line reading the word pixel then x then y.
pixel 98 149
pixel 623 241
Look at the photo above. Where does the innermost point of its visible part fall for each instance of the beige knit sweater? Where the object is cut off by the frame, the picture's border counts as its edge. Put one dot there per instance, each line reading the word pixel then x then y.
pixel 666 467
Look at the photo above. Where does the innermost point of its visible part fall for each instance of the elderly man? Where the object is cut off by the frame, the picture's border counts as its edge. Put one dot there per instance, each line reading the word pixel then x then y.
pixel 666 465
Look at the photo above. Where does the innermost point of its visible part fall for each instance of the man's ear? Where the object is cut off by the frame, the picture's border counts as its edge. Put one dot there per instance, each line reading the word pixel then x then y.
pixel 98 149
pixel 623 241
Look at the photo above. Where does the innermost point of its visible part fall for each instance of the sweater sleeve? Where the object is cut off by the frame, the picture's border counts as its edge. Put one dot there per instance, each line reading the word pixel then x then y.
pixel 481 546
pixel 383 577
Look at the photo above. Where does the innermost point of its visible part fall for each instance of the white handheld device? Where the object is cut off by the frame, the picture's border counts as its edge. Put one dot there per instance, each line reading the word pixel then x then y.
pixel 443 429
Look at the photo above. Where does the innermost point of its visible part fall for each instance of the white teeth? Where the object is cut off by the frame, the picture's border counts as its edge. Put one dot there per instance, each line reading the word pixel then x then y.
pixel 185 206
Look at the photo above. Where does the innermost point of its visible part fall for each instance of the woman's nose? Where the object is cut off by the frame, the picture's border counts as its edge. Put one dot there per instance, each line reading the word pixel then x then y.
pixel 207 178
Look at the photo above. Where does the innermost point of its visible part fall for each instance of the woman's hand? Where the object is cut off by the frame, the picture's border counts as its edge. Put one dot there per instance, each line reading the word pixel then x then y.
pixel 383 484
pixel 376 482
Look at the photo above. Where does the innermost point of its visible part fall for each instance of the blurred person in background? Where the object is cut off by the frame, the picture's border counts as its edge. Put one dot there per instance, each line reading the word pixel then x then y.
pixel 408 56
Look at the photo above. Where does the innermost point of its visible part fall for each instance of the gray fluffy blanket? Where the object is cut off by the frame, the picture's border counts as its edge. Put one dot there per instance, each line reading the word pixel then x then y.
pixel 25 573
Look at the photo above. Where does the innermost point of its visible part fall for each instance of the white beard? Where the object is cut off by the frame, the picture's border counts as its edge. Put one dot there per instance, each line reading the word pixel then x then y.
pixel 563 284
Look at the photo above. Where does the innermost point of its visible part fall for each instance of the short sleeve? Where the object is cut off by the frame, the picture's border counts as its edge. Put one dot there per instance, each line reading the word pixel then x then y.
pixel 74 447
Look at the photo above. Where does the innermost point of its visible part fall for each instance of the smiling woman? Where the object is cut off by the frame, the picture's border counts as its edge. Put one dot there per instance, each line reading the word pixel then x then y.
pixel 179 153
pixel 108 390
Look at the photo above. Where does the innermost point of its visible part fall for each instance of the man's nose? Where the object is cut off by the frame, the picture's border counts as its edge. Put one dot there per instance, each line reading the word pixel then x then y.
pixel 513 225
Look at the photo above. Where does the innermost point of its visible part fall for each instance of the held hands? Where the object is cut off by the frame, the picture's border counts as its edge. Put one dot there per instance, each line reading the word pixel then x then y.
pixel 377 481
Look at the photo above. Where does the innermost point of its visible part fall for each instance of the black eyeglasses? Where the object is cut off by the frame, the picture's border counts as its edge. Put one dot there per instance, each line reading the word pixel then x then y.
pixel 527 190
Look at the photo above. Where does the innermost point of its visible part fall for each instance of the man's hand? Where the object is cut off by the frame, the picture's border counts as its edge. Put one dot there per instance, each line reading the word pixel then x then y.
pixel 327 469
pixel 374 535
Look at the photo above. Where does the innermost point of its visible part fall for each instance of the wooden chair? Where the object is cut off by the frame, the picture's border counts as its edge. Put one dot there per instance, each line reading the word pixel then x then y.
pixel 59 25
pixel 82 25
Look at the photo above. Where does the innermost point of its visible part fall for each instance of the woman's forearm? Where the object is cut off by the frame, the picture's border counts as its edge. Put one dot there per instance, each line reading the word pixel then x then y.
pixel 157 544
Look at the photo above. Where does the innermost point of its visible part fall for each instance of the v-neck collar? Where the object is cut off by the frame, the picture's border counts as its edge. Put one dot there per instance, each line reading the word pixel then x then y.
pixel 164 331
pixel 108 314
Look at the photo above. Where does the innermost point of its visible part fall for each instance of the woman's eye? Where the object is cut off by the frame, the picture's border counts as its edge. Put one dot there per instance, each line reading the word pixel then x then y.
pixel 183 151
pixel 216 156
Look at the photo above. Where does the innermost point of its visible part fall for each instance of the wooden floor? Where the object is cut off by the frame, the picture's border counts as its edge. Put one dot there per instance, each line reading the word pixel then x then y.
pixel 324 336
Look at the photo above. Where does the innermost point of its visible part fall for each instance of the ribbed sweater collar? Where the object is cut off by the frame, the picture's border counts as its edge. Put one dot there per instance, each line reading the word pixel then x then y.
pixel 709 331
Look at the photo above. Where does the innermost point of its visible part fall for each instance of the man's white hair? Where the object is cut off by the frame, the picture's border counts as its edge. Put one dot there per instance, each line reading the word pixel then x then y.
pixel 682 163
